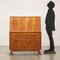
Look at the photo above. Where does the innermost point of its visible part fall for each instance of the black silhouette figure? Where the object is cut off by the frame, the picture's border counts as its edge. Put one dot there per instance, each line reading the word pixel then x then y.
pixel 50 26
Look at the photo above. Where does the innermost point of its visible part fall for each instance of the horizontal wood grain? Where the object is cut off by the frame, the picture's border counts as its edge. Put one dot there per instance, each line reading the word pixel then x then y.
pixel 25 41
pixel 25 33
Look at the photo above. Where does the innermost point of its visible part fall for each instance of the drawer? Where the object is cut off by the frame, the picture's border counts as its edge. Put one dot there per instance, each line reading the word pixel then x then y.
pixel 25 41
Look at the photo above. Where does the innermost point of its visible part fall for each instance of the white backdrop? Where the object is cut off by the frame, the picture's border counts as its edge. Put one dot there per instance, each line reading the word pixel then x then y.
pixel 27 8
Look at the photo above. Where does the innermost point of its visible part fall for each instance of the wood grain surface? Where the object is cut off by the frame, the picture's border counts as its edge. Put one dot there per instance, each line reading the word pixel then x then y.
pixel 25 33
pixel 25 24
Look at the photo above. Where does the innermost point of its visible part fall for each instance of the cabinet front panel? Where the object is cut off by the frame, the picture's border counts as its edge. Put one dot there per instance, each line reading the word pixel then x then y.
pixel 25 41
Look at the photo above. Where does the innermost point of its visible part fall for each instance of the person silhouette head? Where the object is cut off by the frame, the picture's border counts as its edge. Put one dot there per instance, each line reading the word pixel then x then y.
pixel 51 5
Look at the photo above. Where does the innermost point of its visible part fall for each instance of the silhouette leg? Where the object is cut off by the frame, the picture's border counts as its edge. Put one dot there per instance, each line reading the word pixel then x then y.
pixel 50 39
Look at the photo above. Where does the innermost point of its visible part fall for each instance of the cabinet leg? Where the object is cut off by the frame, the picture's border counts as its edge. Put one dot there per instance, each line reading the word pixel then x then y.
pixel 11 53
pixel 39 53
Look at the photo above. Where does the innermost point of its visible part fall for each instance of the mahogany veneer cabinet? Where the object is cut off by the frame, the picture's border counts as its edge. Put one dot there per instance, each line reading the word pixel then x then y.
pixel 25 33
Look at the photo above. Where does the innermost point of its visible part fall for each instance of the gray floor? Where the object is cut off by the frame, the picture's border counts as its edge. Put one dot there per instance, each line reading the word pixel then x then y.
pixel 4 55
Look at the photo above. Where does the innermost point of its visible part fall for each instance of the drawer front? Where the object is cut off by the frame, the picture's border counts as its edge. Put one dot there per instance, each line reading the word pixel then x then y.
pixel 25 41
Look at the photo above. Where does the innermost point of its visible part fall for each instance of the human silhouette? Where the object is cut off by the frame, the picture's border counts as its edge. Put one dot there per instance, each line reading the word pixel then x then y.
pixel 50 26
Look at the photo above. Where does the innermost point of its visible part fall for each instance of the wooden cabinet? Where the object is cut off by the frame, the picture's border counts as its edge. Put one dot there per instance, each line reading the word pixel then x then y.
pixel 25 33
